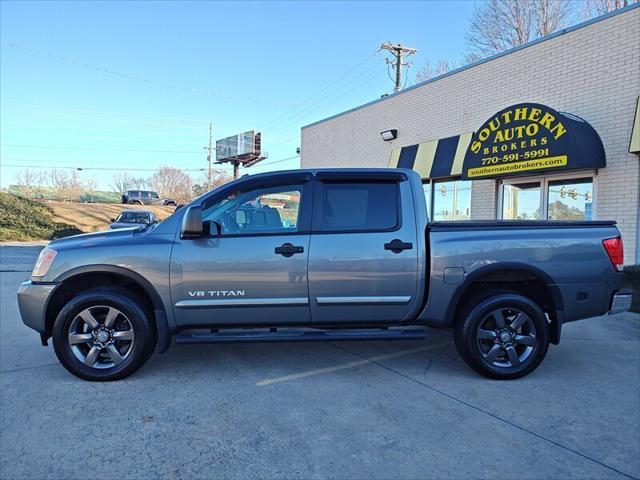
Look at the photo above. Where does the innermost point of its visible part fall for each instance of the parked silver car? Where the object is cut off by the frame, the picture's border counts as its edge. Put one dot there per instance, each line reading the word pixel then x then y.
pixel 133 218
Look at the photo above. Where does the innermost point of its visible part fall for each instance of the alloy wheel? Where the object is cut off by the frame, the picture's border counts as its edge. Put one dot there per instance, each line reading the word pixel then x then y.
pixel 101 336
pixel 506 337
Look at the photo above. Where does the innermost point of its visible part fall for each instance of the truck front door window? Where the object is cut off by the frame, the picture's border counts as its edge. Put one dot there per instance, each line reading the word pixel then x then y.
pixel 260 211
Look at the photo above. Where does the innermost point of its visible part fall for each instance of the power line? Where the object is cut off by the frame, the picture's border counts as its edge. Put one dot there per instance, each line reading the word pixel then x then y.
pixel 136 77
pixel 60 147
pixel 97 115
pixel 106 169
pixel 278 161
pixel 302 113
pixel 37 162
pixel 331 102
pixel 344 75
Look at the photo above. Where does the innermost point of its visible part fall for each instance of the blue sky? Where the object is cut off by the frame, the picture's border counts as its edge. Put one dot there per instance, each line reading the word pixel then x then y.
pixel 175 66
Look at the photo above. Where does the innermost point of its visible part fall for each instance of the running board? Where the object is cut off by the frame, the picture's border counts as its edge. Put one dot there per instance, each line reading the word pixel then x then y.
pixel 303 335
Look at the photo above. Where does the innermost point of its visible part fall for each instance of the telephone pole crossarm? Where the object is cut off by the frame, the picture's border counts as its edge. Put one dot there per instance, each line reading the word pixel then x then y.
pixel 398 51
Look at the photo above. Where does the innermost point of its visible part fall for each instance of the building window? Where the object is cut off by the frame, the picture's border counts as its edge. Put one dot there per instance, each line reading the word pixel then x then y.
pixel 451 200
pixel 570 199
pixel 521 201
pixel 547 198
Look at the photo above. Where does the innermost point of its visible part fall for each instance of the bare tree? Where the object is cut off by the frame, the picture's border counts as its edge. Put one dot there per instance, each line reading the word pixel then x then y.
pixel 550 15
pixel 27 181
pixel 41 178
pixel 430 71
pixel 498 25
pixel 218 178
pixel 121 182
pixel 172 182
pixel 139 183
pixel 92 184
pixel 594 8
pixel 58 181
pixel 75 186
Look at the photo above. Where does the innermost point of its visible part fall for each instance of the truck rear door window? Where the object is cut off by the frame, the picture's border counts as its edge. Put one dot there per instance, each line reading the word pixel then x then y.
pixel 348 207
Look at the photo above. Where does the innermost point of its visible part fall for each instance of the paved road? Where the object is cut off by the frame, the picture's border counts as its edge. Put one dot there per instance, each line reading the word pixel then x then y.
pixel 348 410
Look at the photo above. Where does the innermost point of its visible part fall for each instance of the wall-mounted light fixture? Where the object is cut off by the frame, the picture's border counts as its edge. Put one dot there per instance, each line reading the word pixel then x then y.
pixel 389 135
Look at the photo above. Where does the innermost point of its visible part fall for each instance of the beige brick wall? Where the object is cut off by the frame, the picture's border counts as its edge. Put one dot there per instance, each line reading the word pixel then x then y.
pixel 593 72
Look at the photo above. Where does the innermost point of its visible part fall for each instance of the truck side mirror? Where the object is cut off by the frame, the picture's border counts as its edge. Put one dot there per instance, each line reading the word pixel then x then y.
pixel 192 222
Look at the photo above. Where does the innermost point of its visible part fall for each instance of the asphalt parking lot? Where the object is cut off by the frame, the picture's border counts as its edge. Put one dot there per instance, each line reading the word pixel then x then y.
pixel 345 410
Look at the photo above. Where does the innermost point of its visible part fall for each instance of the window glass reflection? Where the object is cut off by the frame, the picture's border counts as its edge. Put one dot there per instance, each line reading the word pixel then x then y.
pixel 521 201
pixel 452 200
pixel 426 188
pixel 570 199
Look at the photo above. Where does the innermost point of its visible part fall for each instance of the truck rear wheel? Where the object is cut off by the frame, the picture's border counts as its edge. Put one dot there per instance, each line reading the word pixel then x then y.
pixel 502 335
pixel 103 334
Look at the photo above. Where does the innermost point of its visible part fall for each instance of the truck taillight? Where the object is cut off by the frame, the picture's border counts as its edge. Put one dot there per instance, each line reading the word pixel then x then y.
pixel 614 249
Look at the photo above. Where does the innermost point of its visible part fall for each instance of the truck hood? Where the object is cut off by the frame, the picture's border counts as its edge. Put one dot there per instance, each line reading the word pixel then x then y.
pixel 96 238
pixel 118 225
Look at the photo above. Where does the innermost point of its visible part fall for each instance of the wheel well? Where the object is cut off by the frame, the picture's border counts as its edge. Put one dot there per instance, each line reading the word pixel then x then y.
pixel 87 281
pixel 519 281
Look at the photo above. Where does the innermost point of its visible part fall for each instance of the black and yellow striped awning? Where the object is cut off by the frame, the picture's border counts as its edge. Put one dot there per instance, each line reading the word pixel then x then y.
pixel 435 158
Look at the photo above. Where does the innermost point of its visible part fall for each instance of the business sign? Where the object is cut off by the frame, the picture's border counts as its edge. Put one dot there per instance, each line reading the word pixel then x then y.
pixel 528 139
pixel 242 147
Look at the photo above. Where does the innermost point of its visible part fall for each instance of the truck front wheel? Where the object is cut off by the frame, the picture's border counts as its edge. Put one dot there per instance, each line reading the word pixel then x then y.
pixel 103 334
pixel 502 335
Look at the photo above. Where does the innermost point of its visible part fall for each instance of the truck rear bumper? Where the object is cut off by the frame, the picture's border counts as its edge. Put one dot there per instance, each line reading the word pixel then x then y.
pixel 32 302
pixel 621 302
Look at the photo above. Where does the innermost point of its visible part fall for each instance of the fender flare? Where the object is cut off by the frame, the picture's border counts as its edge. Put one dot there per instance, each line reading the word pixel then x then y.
pixel 162 323
pixel 541 275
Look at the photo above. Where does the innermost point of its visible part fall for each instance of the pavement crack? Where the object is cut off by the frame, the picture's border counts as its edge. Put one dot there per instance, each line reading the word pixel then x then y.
pixel 485 412
pixel 21 369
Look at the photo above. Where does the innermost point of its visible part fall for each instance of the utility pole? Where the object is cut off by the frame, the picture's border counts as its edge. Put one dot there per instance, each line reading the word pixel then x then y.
pixel 398 51
pixel 209 148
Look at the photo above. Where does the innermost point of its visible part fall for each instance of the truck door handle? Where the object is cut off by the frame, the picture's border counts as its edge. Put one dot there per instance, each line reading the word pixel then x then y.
pixel 287 250
pixel 397 246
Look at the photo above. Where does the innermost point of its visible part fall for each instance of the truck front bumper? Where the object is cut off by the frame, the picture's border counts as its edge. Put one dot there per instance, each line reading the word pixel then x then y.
pixel 32 302
pixel 621 302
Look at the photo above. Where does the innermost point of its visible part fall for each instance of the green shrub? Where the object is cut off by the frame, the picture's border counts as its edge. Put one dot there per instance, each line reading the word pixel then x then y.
pixel 22 219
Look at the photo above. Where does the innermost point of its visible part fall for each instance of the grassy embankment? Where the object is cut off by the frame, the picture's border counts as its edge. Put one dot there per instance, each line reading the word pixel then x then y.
pixel 22 219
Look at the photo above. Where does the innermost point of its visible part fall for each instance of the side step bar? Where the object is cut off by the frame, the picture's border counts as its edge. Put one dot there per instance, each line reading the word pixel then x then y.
pixel 302 335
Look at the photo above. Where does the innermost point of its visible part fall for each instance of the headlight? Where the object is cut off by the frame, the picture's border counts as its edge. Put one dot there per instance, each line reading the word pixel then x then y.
pixel 45 259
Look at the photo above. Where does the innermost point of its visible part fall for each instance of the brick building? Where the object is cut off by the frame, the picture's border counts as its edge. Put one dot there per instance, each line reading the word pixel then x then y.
pixel 590 73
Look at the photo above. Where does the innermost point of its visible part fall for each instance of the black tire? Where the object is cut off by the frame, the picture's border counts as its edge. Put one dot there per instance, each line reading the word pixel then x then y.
pixel 131 318
pixel 135 202
pixel 512 353
pixel 170 204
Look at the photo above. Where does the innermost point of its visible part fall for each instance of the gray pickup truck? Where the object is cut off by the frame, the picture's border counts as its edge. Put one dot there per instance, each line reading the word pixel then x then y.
pixel 345 254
